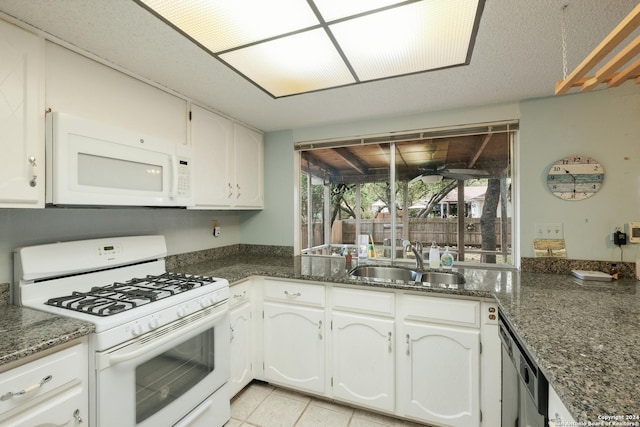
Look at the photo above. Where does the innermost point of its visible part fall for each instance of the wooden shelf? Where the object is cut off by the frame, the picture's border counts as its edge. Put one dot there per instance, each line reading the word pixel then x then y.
pixel 615 71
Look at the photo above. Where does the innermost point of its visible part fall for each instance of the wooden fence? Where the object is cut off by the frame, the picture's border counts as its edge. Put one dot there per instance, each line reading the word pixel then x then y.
pixel 443 231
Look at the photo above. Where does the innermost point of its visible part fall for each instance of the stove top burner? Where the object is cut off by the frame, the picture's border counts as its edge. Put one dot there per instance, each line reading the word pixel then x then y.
pixel 118 297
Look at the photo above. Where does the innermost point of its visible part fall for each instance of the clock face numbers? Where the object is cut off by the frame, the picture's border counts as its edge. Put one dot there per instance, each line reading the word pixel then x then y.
pixel 575 178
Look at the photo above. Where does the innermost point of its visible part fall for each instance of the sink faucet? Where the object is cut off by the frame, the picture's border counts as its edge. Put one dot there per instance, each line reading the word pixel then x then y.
pixel 416 249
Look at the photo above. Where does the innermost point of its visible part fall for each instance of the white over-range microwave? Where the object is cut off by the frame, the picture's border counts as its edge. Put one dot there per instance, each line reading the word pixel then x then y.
pixel 95 164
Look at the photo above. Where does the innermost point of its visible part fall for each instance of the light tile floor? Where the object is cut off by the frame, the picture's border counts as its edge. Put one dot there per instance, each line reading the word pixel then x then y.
pixel 261 404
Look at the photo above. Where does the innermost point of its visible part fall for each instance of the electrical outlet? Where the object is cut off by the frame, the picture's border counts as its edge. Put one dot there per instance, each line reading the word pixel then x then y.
pixel 551 230
pixel 613 229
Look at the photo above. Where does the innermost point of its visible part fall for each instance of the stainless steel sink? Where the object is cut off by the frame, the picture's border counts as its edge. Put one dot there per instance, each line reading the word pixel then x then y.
pixel 384 272
pixel 443 278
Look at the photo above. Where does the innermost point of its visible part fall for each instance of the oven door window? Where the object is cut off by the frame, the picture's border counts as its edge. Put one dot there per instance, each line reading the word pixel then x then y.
pixel 166 377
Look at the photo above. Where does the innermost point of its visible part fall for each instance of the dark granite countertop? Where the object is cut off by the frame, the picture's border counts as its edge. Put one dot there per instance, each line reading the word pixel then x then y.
pixel 481 283
pixel 24 332
pixel 584 336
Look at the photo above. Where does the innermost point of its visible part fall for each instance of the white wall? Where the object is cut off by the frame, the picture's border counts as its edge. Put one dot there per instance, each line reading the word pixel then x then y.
pixel 274 224
pixel 604 125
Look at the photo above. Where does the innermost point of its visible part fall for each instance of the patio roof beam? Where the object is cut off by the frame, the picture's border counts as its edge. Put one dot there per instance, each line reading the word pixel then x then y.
pixel 483 145
pixel 353 160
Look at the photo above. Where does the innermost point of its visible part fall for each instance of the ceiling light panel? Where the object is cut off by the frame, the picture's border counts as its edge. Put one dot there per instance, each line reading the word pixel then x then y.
pixel 408 39
pixel 337 9
pixel 224 24
pixel 283 48
pixel 302 62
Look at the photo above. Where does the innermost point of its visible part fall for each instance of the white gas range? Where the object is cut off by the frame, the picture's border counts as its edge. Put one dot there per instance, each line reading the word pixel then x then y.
pixel 160 352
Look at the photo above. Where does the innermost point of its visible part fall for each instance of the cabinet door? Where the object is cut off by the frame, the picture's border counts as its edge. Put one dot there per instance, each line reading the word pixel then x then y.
pixel 65 408
pixel 294 346
pixel 212 141
pixel 241 348
pixel 439 377
pixel 249 174
pixel 21 118
pixel 363 360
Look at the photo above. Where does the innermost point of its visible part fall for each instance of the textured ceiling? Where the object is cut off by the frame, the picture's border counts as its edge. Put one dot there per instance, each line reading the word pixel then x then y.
pixel 517 55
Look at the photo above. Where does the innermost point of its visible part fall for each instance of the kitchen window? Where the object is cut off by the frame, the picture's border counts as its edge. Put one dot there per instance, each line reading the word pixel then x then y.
pixel 450 186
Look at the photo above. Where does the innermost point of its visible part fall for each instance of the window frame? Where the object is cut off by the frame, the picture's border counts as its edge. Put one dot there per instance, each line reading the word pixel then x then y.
pixel 509 126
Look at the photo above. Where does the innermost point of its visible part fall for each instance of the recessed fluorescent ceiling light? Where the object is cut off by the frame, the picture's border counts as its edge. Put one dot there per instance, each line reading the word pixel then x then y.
pixel 289 47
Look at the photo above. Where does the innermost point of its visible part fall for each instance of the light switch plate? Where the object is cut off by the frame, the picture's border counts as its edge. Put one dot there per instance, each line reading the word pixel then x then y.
pixel 550 230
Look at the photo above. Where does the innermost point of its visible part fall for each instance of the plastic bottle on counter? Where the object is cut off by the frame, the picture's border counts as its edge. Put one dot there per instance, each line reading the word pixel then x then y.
pixel 614 271
pixel 434 256
pixel 446 259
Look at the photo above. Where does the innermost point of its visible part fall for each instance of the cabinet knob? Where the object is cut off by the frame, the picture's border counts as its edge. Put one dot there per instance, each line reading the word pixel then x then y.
pixel 77 417
pixel 34 171
pixel 408 345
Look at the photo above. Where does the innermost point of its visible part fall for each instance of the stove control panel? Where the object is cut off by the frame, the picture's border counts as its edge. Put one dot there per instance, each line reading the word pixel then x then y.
pixel 109 250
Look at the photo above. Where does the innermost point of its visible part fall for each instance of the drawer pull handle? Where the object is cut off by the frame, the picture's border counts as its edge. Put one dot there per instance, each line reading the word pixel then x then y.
pixel 242 295
pixel 10 394
pixel 297 294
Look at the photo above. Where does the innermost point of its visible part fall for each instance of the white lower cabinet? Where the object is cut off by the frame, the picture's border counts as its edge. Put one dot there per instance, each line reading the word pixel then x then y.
pixel 363 365
pixel 363 347
pixel 50 391
pixel 413 356
pixel 439 364
pixel 439 374
pixel 241 337
pixel 295 335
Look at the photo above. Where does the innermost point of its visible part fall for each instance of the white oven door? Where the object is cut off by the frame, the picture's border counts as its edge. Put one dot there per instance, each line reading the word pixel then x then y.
pixel 160 377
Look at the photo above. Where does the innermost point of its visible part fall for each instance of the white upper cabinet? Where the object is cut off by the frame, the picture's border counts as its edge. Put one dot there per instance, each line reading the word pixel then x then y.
pixel 212 143
pixel 21 118
pixel 228 162
pixel 249 164
pixel 82 87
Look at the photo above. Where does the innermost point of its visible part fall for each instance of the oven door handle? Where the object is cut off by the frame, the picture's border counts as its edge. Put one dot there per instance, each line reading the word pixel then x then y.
pixel 105 360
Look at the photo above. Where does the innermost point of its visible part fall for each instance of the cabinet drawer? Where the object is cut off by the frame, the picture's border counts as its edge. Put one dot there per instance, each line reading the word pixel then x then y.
pixel 54 371
pixel 441 310
pixel 294 292
pixel 359 301
pixel 240 293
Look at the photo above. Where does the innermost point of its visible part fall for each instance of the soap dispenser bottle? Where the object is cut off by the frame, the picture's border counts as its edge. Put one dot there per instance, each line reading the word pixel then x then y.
pixel 447 258
pixel 434 256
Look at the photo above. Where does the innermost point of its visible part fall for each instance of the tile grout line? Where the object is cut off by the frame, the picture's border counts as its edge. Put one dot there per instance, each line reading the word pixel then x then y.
pixel 302 413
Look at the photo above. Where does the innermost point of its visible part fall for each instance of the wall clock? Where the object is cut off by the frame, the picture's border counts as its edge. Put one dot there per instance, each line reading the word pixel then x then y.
pixel 575 177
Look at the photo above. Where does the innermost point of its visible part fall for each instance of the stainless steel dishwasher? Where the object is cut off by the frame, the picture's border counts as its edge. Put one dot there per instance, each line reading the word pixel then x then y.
pixel 525 390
